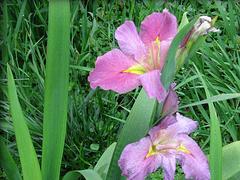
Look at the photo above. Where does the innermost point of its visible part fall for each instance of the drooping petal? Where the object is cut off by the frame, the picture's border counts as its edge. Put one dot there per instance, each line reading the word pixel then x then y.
pixel 170 104
pixel 129 40
pixel 194 163
pixel 152 85
pixel 162 25
pixel 133 161
pixel 108 73
pixel 169 166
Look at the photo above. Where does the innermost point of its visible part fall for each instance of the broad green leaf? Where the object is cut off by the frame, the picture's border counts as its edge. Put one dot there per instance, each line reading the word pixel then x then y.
pixel 88 174
pixel 28 157
pixel 169 68
pixel 184 21
pixel 7 162
pixel 56 88
pixel 231 160
pixel 103 163
pixel 136 127
pixel 217 98
pixel 215 137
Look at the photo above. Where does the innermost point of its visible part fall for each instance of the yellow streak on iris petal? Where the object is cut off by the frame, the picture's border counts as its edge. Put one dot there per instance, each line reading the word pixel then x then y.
pixel 183 149
pixel 157 41
pixel 152 151
pixel 136 69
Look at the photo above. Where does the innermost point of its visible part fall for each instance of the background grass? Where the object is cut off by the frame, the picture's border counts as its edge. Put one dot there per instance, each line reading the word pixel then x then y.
pixel 96 116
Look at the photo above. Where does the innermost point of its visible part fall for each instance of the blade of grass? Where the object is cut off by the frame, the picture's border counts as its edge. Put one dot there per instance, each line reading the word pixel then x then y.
pixel 28 157
pixel 7 162
pixel 215 136
pixel 136 127
pixel 56 88
pixel 217 98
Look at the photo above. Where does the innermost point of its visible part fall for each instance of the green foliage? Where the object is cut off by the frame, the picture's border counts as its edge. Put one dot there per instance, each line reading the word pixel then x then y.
pixel 231 161
pixel 56 88
pixel 215 137
pixel 7 162
pixel 29 162
pixel 95 116
pixel 100 170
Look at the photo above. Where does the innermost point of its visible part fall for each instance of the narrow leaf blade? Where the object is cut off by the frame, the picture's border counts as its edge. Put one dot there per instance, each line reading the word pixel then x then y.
pixel 56 88
pixel 28 157
pixel 7 162
pixel 103 163
pixel 215 136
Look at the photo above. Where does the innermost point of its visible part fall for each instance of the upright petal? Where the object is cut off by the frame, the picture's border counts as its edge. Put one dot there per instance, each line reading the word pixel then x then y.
pixel 129 40
pixel 194 163
pixel 133 161
pixel 164 47
pixel 170 104
pixel 159 132
pixel 152 84
pixel 184 124
pixel 162 25
pixel 108 73
pixel 171 127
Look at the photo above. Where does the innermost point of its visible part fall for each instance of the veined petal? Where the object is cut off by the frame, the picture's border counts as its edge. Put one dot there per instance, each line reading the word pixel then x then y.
pixel 162 25
pixel 129 40
pixel 152 84
pixel 169 167
pixel 195 163
pixel 108 73
pixel 133 161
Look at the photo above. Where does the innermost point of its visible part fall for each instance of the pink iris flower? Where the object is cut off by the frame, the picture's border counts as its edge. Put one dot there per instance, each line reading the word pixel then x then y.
pixel 140 59
pixel 166 144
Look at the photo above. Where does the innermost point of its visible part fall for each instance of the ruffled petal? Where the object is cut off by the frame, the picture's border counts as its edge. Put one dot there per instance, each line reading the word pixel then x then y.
pixel 171 127
pixel 108 73
pixel 194 163
pixel 152 85
pixel 162 25
pixel 133 161
pixel 129 40
pixel 183 125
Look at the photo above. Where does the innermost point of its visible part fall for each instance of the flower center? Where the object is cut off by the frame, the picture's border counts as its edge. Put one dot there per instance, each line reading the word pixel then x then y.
pixel 154 150
pixel 150 62
pixel 136 69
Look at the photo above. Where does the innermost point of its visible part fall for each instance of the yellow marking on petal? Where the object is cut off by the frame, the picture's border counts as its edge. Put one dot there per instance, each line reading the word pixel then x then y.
pixel 157 41
pixel 183 149
pixel 136 69
pixel 152 151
